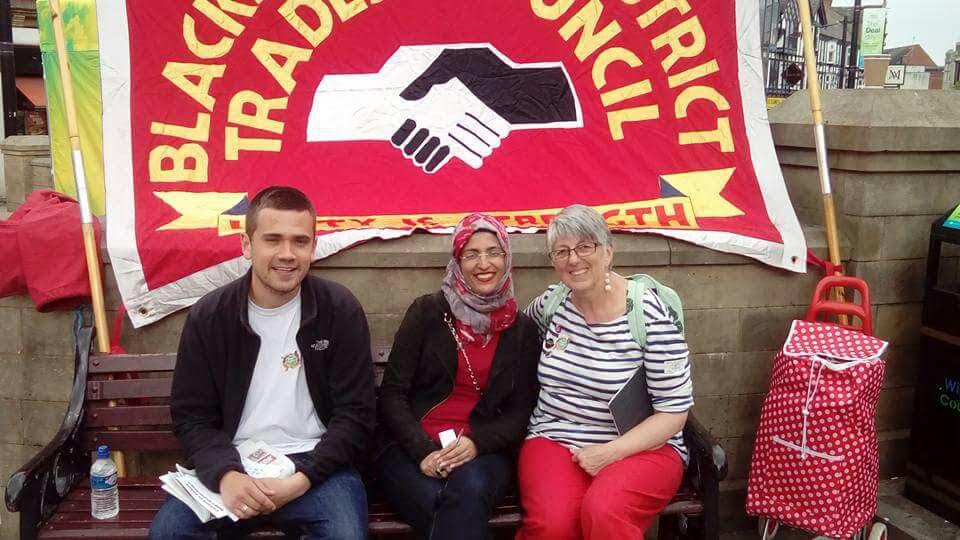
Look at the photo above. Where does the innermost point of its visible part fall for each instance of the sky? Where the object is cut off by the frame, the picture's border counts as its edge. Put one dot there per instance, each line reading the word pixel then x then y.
pixel 934 24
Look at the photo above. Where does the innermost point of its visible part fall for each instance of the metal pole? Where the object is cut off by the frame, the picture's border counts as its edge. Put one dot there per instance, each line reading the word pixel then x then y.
pixel 855 45
pixel 813 86
pixel 843 56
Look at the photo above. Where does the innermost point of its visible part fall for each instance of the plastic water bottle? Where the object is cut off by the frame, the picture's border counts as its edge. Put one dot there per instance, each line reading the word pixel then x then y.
pixel 104 497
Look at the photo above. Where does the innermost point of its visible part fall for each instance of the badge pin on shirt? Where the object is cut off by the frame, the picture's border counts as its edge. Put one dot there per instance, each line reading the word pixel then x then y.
pixel 320 345
pixel 291 361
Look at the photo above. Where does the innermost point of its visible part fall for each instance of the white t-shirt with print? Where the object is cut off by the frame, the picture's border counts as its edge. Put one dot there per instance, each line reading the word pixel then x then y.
pixel 278 409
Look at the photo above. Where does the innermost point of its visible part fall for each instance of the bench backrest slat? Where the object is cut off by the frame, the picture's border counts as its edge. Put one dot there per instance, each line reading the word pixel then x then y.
pixel 144 441
pixel 122 415
pixel 128 363
pixel 131 388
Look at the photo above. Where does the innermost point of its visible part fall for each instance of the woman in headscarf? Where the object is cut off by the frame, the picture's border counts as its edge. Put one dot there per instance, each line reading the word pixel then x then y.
pixel 458 390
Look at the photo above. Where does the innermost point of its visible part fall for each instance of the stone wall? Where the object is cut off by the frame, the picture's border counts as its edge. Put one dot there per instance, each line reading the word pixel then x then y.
pixel 896 168
pixel 26 167
pixel 737 314
pixel 895 162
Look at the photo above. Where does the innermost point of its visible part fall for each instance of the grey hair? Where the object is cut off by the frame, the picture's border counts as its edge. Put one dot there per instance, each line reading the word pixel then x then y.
pixel 581 222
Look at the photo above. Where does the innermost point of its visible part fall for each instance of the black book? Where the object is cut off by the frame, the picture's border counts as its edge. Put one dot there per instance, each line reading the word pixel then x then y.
pixel 631 404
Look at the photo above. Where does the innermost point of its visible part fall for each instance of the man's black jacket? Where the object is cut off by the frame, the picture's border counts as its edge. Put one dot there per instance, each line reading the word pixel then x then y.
pixel 217 354
pixel 422 371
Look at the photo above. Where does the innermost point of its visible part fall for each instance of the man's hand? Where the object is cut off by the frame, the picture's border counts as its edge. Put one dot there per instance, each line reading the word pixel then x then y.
pixel 595 457
pixel 457 454
pixel 244 495
pixel 283 490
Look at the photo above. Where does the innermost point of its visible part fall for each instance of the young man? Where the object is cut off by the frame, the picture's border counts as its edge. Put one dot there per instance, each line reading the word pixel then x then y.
pixel 282 357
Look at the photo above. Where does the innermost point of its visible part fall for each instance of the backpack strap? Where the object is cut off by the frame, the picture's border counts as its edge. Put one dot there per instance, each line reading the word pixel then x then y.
pixel 637 286
pixel 552 303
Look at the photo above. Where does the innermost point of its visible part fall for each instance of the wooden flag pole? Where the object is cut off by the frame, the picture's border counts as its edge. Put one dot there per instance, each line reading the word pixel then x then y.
pixel 90 247
pixel 823 165
pixel 86 216
pixel 813 87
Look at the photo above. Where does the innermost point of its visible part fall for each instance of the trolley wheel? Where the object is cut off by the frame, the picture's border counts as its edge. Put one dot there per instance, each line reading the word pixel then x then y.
pixel 878 532
pixel 767 528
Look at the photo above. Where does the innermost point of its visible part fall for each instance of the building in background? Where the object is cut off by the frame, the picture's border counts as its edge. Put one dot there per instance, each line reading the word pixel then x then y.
pixel 951 69
pixel 921 72
pixel 782 48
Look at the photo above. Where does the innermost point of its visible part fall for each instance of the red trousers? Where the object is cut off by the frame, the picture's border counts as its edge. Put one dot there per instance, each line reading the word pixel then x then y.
pixel 561 501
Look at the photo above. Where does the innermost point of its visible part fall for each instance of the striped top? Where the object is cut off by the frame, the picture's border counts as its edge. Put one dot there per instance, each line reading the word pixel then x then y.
pixel 582 366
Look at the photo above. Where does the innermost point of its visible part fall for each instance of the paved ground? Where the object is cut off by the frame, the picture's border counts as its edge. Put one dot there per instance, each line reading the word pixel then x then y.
pixel 905 520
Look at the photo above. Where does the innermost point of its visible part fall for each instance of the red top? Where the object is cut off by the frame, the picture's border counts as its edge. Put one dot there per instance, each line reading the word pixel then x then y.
pixel 454 412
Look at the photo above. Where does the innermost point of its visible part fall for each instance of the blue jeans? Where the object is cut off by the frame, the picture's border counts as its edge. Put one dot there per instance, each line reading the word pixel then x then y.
pixel 457 507
pixel 336 509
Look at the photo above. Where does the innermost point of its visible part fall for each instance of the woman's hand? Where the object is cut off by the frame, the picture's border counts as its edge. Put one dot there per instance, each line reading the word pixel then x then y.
pixel 430 465
pixel 457 454
pixel 595 457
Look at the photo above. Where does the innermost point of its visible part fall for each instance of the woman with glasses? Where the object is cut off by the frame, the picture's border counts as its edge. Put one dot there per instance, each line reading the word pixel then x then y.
pixel 579 477
pixel 458 390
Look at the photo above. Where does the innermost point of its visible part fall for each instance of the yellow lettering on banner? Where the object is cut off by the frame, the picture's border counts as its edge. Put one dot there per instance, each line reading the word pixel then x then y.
pixel 200 132
pixel 182 75
pixel 659 10
pixel 722 136
pixel 314 36
pixel 202 50
pixel 265 50
pixel 551 12
pixel 218 17
pixel 585 21
pixel 234 144
pixel 626 92
pixel 179 160
pixel 694 73
pixel 232 6
pixel 673 38
pixel 260 119
pixel 695 93
pixel 608 57
pixel 617 119
pixel 346 9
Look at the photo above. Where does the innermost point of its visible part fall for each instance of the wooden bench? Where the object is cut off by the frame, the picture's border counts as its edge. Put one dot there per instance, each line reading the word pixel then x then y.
pixel 51 491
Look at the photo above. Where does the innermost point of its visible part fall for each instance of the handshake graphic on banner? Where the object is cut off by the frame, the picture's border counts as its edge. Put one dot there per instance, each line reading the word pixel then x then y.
pixel 437 102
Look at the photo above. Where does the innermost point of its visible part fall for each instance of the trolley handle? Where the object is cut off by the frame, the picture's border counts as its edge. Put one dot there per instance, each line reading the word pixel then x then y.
pixel 821 305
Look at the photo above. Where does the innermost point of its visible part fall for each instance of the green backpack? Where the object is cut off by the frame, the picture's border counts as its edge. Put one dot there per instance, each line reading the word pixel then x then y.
pixel 637 284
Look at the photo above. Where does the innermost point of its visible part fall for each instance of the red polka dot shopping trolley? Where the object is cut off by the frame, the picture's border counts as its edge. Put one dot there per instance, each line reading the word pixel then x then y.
pixel 814 464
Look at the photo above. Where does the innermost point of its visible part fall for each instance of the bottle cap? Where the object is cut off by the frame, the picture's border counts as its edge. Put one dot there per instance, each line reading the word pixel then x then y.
pixel 103 451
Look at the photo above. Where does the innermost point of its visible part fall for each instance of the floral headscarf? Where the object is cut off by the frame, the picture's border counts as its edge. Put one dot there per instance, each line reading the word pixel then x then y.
pixel 483 315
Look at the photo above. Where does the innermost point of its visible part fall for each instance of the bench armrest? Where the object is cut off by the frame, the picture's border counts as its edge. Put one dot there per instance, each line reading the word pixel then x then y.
pixel 705 452
pixel 38 486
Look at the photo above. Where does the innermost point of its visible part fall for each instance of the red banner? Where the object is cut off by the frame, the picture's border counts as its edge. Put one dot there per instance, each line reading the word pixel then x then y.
pixel 397 115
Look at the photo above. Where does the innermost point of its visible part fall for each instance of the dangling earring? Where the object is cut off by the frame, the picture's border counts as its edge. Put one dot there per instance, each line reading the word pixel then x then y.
pixel 607 287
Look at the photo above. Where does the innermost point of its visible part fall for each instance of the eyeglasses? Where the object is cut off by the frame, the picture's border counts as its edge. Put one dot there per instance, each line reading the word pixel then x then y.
pixel 582 250
pixel 491 254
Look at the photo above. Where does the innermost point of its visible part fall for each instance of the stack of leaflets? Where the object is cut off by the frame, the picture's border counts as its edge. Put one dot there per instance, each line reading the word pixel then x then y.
pixel 259 459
